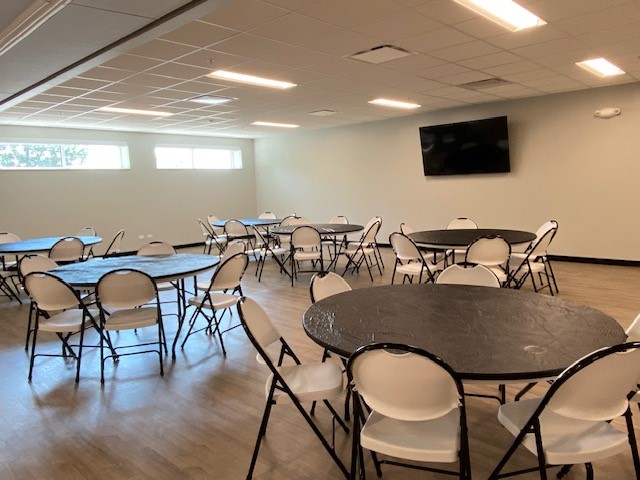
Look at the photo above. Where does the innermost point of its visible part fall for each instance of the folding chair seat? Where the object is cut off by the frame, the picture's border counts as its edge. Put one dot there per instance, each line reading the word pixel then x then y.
pixel 306 246
pixel 291 383
pixel 67 250
pixel 409 260
pixel 227 278
pixel 128 300
pixel 414 409
pixel 116 244
pixel 361 251
pixel 493 252
pixel 571 424
pixel 60 310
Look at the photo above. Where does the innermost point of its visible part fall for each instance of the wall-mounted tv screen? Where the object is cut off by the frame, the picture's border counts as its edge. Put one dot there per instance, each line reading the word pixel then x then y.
pixel 479 146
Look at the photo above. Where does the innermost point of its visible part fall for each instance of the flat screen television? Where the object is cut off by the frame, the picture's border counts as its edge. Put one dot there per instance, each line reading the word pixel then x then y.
pixel 478 146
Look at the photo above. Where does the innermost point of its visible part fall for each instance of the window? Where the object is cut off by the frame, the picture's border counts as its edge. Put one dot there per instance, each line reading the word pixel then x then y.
pixel 54 156
pixel 200 158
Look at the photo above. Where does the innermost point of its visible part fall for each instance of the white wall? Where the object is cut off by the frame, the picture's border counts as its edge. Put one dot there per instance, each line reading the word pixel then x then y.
pixel 141 200
pixel 565 165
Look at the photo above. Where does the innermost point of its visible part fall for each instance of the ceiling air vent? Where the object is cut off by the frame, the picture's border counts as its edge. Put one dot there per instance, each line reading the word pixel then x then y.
pixel 323 113
pixel 482 84
pixel 381 54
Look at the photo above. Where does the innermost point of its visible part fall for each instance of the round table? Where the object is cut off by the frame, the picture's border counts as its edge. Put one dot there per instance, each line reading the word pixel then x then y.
pixel 448 239
pixel 250 222
pixel 326 229
pixel 161 268
pixel 35 245
pixel 482 333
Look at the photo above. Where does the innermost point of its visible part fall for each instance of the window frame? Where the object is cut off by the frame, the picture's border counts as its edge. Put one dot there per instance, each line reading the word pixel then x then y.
pixel 125 160
pixel 193 147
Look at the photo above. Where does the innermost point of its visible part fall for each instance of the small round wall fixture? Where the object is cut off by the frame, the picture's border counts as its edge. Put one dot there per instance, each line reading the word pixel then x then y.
pixel 607 112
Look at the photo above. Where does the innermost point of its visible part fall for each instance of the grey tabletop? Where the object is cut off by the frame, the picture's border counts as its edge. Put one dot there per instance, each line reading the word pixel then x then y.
pixel 160 267
pixel 463 237
pixel 250 222
pixel 482 333
pixel 323 228
pixel 33 245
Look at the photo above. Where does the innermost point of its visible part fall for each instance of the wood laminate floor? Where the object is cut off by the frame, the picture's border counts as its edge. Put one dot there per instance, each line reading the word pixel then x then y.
pixel 200 420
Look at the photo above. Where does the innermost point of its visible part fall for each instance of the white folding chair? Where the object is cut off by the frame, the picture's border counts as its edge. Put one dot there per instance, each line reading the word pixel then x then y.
pixel 116 244
pixel 493 252
pixel 296 383
pixel 415 407
pixel 361 251
pixel 468 274
pixel 8 270
pixel 571 424
pixel 409 260
pixel 67 250
pixel 535 262
pixel 87 232
pixel 306 246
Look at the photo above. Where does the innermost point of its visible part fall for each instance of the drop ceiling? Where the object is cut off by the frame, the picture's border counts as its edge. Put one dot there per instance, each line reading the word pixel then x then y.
pixel 307 42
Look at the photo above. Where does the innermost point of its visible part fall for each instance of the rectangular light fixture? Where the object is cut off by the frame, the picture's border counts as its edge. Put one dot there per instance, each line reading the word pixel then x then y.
pixel 385 102
pixel 150 113
pixel 251 79
pixel 601 67
pixel 29 20
pixel 212 99
pixel 273 124
pixel 506 13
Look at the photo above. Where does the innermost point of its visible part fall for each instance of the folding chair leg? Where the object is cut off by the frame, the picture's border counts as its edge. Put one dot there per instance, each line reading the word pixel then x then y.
pixel 80 353
pixel 563 471
pixel 262 431
pixel 29 329
pixel 632 442
pixel 33 348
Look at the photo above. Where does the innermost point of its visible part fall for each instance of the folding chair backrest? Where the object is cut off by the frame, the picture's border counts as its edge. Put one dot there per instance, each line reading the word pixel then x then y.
pixel 6 237
pixel 462 223
pixel 298 221
pixel 125 288
pixel 470 274
pixel 235 228
pixel 596 387
pixel 257 324
pixel 404 248
pixel 541 244
pixel 211 219
pixel 406 229
pixel 86 232
pixel 207 231
pixel 116 244
pixel 233 248
pixel 50 293
pixel 545 227
pixel 156 248
pixel 305 237
pixel 325 284
pixel 229 273
pixel 488 251
pixel 267 216
pixel 35 263
pixel 67 249
pixel 404 383
pixel 633 331
pixel 341 219
pixel 286 221
pixel 370 234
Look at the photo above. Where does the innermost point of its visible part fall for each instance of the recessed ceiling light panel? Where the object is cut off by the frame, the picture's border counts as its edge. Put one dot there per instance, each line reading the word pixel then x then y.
pixel 601 67
pixel 251 79
pixel 150 113
pixel 385 102
pixel 274 124
pixel 506 13
pixel 212 99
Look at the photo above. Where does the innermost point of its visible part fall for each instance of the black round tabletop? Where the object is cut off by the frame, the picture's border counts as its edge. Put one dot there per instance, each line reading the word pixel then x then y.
pixel 482 333
pixel 159 267
pixel 323 228
pixel 44 244
pixel 463 237
pixel 250 222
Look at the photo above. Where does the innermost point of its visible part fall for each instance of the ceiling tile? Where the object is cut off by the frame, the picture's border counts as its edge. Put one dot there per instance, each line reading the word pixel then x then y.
pixel 244 15
pixel 351 13
pixel 84 83
pixel 445 11
pixel 556 10
pixel 161 50
pixel 548 48
pixel 295 29
pixel 442 71
pixel 199 34
pixel 177 70
pixel 480 27
pixel 247 45
pixel 465 51
pixel 131 62
pixel 149 80
pixel 342 43
pixel 295 57
pixel 492 60
pixel 211 60
pixel 107 74
pixel 510 68
pixel 413 63
pixel 398 25
pixel 527 37
pixel 434 40
pixel 466 77
pixel 610 17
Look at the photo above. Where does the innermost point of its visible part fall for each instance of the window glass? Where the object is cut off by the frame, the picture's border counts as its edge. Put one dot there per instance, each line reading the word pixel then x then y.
pixel 43 156
pixel 198 158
